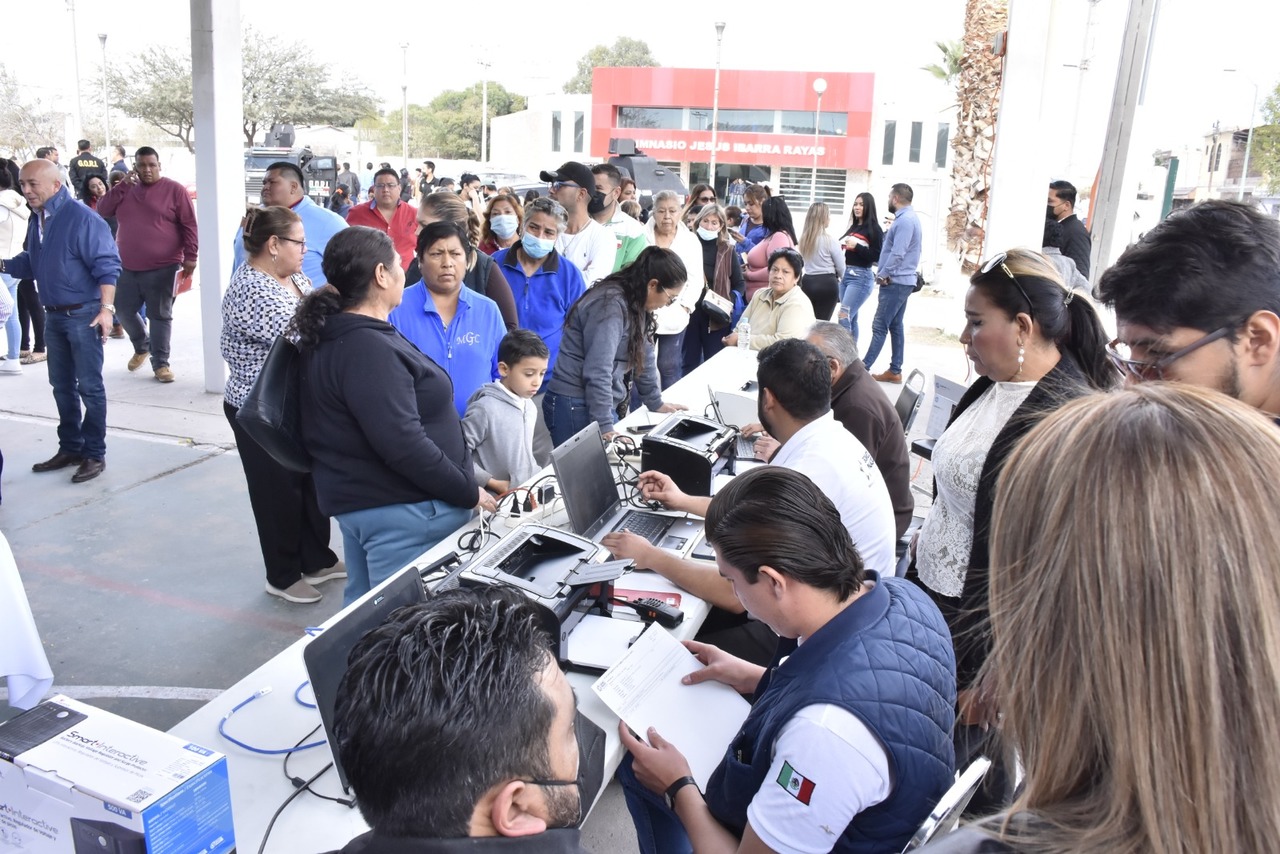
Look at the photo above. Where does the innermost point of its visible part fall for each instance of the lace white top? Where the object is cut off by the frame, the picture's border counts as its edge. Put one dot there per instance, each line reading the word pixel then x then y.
pixel 942 555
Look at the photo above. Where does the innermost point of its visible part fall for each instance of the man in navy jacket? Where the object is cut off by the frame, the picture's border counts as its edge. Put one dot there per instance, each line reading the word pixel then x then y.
pixel 71 253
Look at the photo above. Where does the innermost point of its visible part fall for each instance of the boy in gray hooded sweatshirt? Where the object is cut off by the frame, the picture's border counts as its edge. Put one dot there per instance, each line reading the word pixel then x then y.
pixel 498 424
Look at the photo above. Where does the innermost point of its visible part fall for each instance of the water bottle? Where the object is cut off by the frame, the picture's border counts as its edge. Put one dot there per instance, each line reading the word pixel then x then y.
pixel 744 335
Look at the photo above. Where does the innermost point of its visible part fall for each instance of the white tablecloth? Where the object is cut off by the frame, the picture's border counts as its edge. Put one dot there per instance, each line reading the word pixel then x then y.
pixel 22 657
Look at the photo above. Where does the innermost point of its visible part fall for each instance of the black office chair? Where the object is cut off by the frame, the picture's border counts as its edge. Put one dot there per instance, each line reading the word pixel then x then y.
pixel 910 399
pixel 946 815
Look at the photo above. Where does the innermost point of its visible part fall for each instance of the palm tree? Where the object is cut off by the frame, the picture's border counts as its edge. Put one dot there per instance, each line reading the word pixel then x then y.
pixel 978 100
pixel 949 70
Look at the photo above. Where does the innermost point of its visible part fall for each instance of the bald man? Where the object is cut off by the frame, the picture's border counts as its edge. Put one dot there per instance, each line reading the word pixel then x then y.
pixel 71 253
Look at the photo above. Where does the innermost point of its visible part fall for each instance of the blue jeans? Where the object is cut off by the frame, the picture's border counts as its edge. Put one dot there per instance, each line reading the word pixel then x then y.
pixel 890 308
pixel 380 541
pixel 75 372
pixel 670 358
pixel 566 416
pixel 855 288
pixel 658 829
pixel 12 329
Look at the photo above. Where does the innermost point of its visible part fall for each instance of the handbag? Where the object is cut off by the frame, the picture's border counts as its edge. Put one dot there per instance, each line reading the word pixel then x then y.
pixel 718 308
pixel 272 412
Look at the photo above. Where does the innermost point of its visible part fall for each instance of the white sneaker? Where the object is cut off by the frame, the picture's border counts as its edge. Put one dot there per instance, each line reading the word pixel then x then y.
pixel 299 591
pixel 10 366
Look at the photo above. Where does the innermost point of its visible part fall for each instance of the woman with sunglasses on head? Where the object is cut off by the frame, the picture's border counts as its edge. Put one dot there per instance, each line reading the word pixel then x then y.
pixel 603 349
pixel 1035 345
pixel 781 310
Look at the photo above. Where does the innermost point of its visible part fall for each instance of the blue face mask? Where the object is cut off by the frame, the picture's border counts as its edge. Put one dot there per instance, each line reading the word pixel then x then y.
pixel 707 234
pixel 536 247
pixel 504 225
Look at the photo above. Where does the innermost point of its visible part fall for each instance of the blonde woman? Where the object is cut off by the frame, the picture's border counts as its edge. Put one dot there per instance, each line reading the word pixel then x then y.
pixel 1136 614
pixel 823 262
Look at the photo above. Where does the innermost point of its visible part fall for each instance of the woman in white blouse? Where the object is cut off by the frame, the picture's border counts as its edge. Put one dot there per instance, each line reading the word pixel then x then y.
pixel 259 303
pixel 1034 346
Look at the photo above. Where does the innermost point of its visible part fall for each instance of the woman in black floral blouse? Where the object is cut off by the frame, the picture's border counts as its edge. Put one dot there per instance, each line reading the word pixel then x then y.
pixel 259 302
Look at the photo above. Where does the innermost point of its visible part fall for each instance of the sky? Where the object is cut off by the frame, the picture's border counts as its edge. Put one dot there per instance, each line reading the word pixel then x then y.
pixel 533 48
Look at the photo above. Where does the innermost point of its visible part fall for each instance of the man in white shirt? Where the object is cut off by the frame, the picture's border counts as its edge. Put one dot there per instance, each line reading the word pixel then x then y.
pixel 588 244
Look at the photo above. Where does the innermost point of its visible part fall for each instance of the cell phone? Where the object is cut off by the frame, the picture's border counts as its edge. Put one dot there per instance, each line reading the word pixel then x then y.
pixel 639 428
pixel 749 385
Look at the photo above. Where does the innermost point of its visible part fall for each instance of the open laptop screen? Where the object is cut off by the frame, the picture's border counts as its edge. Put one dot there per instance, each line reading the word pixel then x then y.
pixel 585 479
pixel 326 656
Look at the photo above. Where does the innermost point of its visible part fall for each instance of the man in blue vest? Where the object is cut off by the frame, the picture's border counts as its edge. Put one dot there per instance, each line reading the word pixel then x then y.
pixel 848 743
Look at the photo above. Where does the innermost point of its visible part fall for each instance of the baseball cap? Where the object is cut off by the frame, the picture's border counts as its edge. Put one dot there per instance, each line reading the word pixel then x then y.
pixel 573 173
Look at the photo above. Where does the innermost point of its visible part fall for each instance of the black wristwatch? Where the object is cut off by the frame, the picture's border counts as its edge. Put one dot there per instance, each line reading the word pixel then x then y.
pixel 675 788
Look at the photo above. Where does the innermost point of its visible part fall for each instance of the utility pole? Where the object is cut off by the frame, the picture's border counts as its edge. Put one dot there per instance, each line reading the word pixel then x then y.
pixel 404 106
pixel 715 107
pixel 484 112
pixel 106 105
pixel 819 86
pixel 75 52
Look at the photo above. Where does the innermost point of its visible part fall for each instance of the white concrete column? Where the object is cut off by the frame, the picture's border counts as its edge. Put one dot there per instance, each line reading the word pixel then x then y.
pixel 1019 169
pixel 218 90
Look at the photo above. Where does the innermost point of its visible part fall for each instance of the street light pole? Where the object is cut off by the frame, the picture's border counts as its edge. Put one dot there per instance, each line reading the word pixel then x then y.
pixel 404 105
pixel 75 51
pixel 819 86
pixel 715 107
pixel 484 113
pixel 106 105
pixel 1248 144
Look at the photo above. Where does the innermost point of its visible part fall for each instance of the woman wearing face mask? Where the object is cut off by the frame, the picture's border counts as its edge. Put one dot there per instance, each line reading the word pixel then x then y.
pixel 604 346
pixel 723 273
pixel 483 276
pixel 545 285
pixel 501 223
pixel 664 231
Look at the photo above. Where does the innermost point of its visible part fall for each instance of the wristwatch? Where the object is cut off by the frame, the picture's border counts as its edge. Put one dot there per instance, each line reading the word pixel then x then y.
pixel 109 307
pixel 675 788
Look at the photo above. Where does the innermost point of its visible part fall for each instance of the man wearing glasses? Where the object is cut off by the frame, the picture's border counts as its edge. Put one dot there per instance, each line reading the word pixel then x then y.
pixel 1197 300
pixel 284 185
pixel 388 213
pixel 585 242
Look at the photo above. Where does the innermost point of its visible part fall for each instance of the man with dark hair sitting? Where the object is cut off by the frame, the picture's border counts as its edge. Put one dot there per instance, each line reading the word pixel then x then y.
pixel 1197 300
pixel 848 743
pixel 458 731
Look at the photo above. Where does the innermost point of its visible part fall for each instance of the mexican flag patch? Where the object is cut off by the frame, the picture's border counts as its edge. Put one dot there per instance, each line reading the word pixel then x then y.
pixel 800 788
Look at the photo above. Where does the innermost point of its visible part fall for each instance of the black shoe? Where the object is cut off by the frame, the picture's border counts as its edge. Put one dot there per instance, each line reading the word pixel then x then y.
pixel 58 461
pixel 89 469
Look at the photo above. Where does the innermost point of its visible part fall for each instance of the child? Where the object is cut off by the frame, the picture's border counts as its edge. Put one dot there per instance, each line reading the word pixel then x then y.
pixel 498 424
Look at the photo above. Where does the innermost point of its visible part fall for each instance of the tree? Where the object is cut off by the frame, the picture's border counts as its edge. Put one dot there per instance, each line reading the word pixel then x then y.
pixel 1266 143
pixel 978 102
pixel 25 125
pixel 449 127
pixel 625 53
pixel 949 70
pixel 282 84
pixel 155 88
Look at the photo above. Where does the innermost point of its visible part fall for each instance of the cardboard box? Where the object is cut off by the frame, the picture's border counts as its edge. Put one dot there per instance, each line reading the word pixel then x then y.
pixel 77 779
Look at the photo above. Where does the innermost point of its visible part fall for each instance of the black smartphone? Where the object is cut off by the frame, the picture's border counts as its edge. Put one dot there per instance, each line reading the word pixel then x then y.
pixel 749 385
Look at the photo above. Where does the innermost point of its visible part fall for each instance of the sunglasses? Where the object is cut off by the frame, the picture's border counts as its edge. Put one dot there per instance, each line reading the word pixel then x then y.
pixel 558 185
pixel 1153 369
pixel 999 261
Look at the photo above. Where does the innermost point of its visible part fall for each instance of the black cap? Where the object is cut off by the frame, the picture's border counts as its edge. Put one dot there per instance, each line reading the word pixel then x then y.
pixel 574 173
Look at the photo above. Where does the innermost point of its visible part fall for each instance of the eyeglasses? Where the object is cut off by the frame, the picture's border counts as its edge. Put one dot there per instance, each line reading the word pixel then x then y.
pixel 302 243
pixel 1153 369
pixel 386 186
pixel 706 200
pixel 559 185
pixel 671 298
pixel 999 261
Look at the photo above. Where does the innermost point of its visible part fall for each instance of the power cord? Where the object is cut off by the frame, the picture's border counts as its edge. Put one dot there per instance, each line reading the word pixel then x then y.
pixel 306 786
pixel 299 783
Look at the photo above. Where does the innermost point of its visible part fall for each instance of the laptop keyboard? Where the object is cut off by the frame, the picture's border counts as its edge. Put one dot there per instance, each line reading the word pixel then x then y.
pixel 648 525
pixel 746 448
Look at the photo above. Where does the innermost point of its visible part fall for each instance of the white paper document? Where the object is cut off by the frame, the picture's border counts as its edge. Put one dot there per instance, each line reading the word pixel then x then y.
pixel 644 689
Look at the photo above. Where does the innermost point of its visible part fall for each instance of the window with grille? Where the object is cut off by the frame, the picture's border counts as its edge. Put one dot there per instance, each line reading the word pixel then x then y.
pixel 795 182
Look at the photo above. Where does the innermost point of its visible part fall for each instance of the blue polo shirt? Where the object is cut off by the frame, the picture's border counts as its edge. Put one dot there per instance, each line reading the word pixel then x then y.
pixel 467 349
pixel 318 226
pixel 543 299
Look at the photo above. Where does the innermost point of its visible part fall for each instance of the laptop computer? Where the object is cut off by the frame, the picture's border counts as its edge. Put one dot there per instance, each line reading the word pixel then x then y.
pixel 326 655
pixel 736 410
pixel 591 498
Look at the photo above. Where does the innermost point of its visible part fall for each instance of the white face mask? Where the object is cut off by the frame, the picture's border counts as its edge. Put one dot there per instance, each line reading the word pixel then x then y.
pixel 504 225
pixel 706 234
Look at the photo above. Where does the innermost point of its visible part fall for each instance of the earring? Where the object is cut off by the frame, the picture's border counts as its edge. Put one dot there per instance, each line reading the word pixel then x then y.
pixel 1022 353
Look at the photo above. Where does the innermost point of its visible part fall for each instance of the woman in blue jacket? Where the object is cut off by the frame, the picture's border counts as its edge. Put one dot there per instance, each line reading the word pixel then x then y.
pixel 458 328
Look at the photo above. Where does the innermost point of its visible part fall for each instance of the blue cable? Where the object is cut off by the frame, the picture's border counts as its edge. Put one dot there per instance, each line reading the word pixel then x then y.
pixel 297 695
pixel 222 731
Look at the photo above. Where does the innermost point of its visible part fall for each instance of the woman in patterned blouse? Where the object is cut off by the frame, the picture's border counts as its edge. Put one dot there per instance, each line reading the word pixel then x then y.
pixel 258 305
